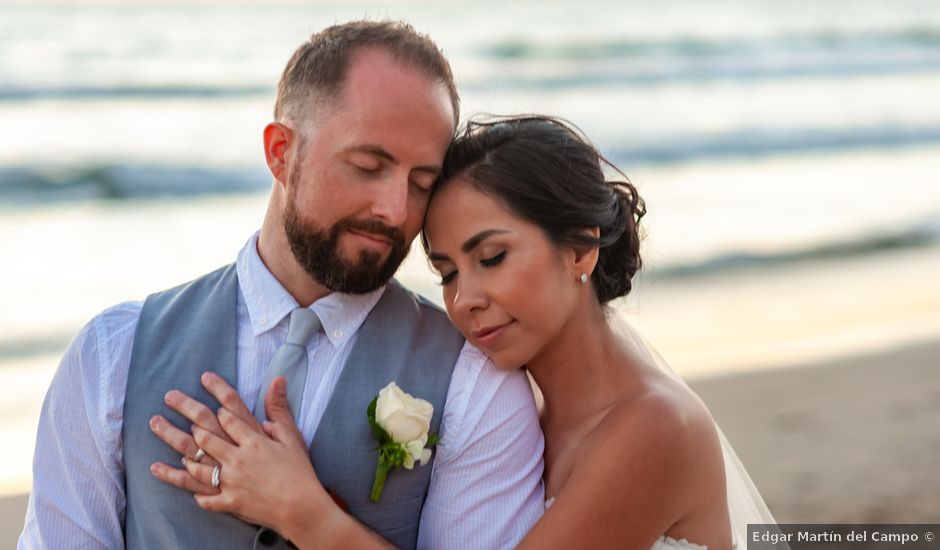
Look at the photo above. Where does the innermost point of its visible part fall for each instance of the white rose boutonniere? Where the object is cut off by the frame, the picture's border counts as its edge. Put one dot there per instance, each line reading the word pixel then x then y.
pixel 400 423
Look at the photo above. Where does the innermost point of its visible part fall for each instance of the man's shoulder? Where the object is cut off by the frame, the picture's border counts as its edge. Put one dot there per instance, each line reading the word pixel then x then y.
pixel 211 278
pixel 117 318
pixel 122 318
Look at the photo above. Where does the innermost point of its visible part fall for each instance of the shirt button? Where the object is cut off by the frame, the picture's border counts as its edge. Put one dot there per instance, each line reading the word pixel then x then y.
pixel 337 334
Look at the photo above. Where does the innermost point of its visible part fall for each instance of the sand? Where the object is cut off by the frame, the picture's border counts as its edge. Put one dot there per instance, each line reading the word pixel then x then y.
pixel 12 512
pixel 851 440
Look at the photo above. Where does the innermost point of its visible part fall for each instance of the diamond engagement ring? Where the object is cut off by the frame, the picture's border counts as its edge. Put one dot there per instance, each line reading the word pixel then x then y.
pixel 200 454
pixel 216 470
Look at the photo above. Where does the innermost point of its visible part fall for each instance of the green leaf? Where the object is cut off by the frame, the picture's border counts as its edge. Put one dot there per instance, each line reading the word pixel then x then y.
pixel 432 440
pixel 370 411
pixel 377 431
pixel 392 454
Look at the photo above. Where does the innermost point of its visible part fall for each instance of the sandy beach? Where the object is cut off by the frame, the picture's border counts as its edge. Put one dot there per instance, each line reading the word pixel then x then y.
pixel 849 440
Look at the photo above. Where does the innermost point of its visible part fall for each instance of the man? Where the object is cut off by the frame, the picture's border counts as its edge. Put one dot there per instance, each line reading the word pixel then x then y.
pixel 364 114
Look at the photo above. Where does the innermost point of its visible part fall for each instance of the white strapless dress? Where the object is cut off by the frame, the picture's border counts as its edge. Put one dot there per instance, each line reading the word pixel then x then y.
pixel 663 543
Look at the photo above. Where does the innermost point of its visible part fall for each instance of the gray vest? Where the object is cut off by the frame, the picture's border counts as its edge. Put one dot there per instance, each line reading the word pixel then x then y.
pixel 190 329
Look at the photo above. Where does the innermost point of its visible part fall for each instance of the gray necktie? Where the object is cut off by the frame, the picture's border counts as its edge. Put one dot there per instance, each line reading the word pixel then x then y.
pixel 290 361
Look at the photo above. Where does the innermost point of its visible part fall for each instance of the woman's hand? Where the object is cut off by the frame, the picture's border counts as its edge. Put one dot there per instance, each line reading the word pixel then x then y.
pixel 265 474
pixel 183 442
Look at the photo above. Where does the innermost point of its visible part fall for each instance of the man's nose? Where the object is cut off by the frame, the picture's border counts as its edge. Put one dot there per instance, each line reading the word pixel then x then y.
pixel 391 200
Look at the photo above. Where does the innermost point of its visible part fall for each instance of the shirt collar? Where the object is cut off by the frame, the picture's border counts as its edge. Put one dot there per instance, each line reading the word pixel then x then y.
pixel 268 302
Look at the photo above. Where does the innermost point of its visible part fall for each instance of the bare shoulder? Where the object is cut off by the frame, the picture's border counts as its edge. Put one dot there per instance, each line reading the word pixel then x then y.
pixel 666 409
pixel 667 432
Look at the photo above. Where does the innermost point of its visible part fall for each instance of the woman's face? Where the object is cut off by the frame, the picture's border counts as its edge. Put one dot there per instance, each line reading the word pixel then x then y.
pixel 506 286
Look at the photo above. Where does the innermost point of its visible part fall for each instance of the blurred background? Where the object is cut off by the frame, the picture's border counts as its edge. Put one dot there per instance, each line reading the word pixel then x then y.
pixel 789 154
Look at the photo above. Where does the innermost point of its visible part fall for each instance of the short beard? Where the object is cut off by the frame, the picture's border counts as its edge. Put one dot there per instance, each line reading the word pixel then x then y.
pixel 317 251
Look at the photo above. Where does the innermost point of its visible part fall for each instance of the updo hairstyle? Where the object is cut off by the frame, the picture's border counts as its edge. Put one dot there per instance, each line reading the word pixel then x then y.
pixel 545 171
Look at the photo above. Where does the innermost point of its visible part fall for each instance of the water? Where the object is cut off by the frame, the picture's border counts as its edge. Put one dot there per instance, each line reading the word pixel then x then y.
pixel 776 143
pixel 119 103
pixel 761 133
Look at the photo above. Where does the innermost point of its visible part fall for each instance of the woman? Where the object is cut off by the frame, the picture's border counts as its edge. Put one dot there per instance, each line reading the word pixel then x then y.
pixel 531 242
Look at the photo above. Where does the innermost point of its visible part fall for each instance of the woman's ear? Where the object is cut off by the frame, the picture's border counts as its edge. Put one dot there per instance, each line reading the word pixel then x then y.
pixel 278 139
pixel 584 259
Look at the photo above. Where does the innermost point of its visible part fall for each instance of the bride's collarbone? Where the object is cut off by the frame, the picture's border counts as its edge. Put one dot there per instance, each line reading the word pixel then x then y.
pixel 566 446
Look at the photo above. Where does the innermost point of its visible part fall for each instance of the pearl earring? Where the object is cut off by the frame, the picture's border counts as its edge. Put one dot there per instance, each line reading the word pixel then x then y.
pixel 583 278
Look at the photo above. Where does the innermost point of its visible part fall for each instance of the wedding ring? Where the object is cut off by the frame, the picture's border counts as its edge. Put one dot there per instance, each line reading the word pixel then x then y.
pixel 200 454
pixel 216 470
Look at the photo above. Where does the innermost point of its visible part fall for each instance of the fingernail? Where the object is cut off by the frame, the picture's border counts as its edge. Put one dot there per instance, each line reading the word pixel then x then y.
pixel 154 422
pixel 168 397
pixel 183 460
pixel 206 377
pixel 153 469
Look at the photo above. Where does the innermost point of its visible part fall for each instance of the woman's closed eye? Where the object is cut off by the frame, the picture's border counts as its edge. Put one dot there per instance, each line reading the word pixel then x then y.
pixel 493 260
pixel 446 279
pixel 445 271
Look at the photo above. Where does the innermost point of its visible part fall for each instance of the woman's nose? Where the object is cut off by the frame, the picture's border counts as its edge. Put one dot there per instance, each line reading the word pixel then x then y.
pixel 470 296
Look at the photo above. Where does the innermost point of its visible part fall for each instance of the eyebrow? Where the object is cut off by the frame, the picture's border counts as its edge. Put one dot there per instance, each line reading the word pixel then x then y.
pixel 469 244
pixel 381 152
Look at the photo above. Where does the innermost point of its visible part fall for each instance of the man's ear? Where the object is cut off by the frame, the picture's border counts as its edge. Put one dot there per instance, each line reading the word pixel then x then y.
pixel 278 139
pixel 584 259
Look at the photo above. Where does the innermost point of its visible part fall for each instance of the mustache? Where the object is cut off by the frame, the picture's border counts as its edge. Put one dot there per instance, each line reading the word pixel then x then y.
pixel 373 226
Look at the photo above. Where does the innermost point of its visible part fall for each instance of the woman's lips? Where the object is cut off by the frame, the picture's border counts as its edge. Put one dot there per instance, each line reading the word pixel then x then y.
pixel 488 335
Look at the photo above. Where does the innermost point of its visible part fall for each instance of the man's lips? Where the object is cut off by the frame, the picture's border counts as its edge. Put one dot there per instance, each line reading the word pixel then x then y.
pixel 372 237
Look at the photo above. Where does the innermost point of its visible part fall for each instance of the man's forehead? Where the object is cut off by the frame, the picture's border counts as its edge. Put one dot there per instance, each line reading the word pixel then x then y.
pixel 375 71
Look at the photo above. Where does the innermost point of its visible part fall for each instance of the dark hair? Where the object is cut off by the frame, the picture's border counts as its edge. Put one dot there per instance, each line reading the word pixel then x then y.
pixel 318 67
pixel 546 172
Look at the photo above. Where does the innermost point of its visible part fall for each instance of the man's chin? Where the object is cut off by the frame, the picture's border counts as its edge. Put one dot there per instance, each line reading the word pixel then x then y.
pixel 355 249
pixel 364 268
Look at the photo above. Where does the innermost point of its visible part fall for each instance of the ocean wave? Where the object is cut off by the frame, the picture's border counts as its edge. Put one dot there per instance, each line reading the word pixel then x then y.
pixel 809 42
pixel 29 185
pixel 743 69
pixel 38 184
pixel 79 93
pixel 534 64
pixel 922 233
pixel 763 142
pixel 530 63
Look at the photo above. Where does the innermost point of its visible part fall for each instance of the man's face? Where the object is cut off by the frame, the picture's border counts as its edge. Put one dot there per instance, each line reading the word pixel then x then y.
pixel 358 185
